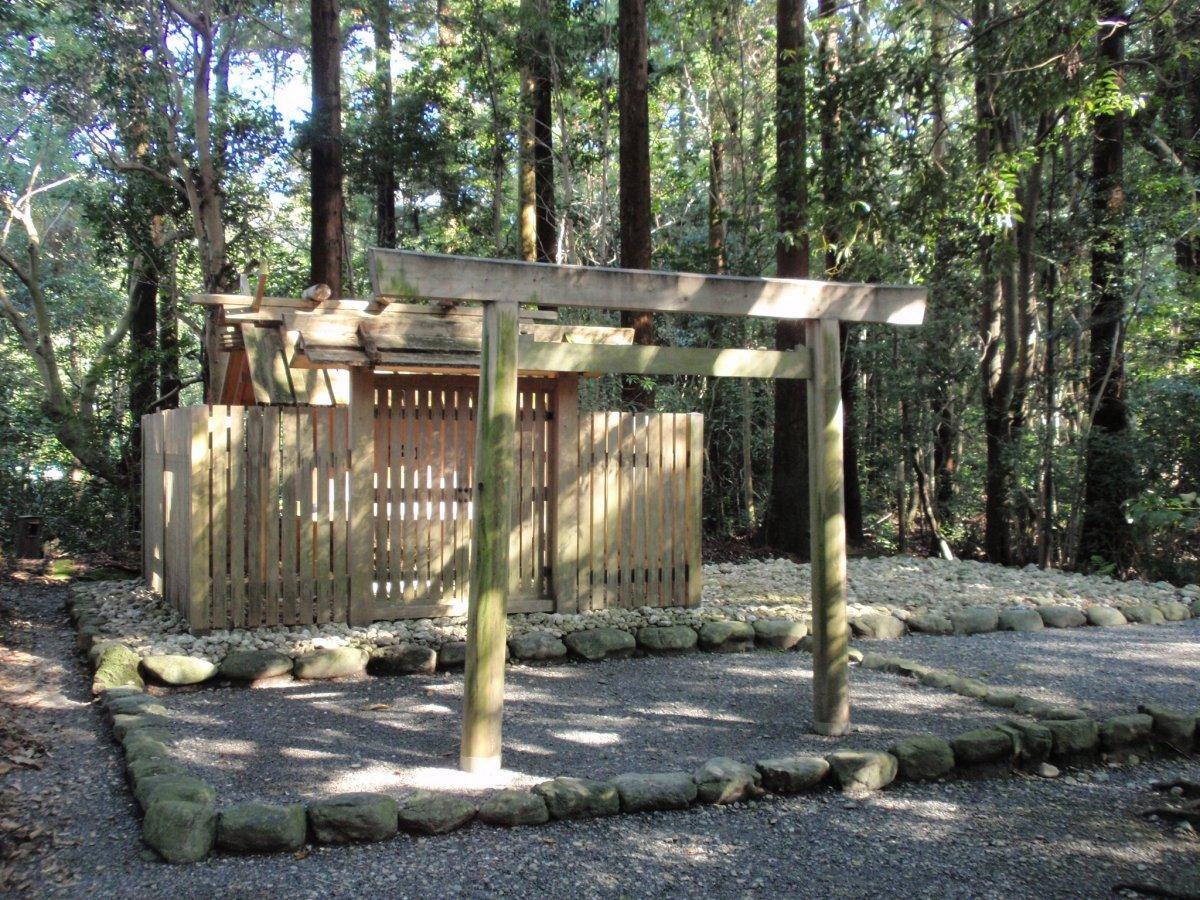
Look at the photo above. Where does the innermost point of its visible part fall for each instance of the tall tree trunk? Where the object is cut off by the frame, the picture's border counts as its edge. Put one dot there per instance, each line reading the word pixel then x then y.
pixel 538 220
pixel 385 166
pixel 143 341
pixel 634 185
pixel 1109 473
pixel 169 379
pixel 787 524
pixel 326 183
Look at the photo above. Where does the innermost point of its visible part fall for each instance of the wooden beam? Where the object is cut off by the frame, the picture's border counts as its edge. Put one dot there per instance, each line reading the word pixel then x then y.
pixel 537 356
pixel 827 525
pixel 361 538
pixel 404 274
pixel 269 375
pixel 240 308
pixel 483 682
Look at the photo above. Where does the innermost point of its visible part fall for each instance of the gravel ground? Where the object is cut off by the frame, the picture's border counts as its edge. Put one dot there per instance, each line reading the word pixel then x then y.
pixel 1108 670
pixel 1011 837
pixel 637 715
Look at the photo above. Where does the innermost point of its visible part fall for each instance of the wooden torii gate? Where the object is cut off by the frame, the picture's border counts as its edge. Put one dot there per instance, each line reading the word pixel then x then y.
pixel 502 286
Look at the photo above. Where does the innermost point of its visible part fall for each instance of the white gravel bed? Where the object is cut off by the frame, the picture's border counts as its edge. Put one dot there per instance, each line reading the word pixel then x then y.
pixel 1108 671
pixel 901 585
pixel 651 714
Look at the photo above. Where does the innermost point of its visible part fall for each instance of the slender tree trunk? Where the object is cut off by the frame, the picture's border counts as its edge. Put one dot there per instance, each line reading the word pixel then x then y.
pixel 1109 475
pixel 634 109
pixel 169 379
pixel 326 184
pixel 143 341
pixel 385 166
pixel 787 526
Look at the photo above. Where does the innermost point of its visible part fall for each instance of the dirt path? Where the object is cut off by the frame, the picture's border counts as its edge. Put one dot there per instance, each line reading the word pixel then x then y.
pixel 68 827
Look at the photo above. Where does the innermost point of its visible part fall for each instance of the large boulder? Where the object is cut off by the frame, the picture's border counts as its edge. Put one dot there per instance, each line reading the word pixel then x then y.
pixel 600 643
pixel 352 818
pixel 725 780
pixel 983 745
pixel 1032 741
pixel 251 666
pixel 176 669
pixel 923 757
pixel 1143 614
pixel 403 659
pixel 647 792
pixel 1123 732
pixel 792 774
pixel 117 666
pixel 1174 611
pixel 262 827
pixel 339 662
pixel 975 620
pixel 727 637
pixel 1020 618
pixel 453 655
pixel 180 831
pixel 1178 729
pixel 536 646
pixel 138 745
pixel 863 771
pixel 1073 737
pixel 779 634
pixel 881 626
pixel 1105 616
pixel 156 788
pixel 579 798
pixel 425 812
pixel 930 623
pixel 511 808
pixel 1062 616
pixel 667 638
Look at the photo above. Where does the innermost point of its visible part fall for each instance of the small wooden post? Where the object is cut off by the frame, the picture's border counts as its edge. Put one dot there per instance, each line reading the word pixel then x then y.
pixel 564 564
pixel 831 638
pixel 496 419
pixel 361 552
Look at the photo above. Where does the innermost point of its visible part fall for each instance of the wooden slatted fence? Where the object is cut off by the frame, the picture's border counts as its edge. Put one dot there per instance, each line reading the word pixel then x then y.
pixel 247 520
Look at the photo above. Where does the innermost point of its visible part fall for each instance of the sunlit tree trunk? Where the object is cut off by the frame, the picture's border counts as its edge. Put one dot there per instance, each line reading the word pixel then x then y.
pixel 326 179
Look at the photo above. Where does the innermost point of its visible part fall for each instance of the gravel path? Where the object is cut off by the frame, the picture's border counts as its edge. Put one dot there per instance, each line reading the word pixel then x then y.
pixel 649 714
pixel 1012 837
pixel 1108 670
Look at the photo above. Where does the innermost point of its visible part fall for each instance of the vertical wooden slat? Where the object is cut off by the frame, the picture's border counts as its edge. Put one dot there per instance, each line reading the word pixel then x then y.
pixel 599 479
pixel 655 537
pixel 361 418
pixel 679 499
pixel 238 611
pixel 220 517
pixel 198 525
pixel 638 585
pixel 321 496
pixel 612 508
pixel 380 492
pixel 290 523
pixel 395 495
pixel 256 516
pixel 463 425
pixel 567 492
pixel 341 513
pixel 434 487
pixel 693 511
pixel 409 549
pixel 274 487
pixel 306 476
pixel 624 457
pixel 445 496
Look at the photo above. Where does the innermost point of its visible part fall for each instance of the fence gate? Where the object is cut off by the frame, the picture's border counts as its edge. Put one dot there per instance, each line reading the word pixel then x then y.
pixel 424 469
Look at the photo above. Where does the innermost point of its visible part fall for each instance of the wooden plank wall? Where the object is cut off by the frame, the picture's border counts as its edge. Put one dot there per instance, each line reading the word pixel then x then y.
pixel 639 509
pixel 246 519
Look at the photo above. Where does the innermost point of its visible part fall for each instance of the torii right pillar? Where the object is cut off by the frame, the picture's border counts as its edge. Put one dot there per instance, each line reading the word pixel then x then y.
pixel 827 526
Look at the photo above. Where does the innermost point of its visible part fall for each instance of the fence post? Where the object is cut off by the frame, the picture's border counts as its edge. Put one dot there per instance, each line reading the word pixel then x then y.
pixel 564 565
pixel 827 525
pixel 496 417
pixel 360 556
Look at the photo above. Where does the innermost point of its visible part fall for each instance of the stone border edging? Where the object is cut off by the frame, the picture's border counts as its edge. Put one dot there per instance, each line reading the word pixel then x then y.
pixel 182 822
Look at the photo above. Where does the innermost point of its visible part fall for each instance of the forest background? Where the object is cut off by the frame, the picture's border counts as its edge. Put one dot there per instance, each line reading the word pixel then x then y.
pixel 1035 163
